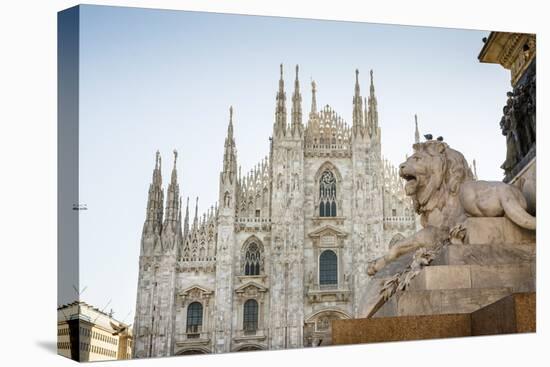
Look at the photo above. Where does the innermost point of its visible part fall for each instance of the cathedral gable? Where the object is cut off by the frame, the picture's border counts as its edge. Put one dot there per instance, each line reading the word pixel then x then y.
pixel 196 292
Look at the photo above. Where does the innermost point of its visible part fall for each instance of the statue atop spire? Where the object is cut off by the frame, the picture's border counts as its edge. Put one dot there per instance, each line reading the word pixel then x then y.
pixel 371 81
pixel 416 132
pixel 230 126
pixel 297 127
pixel 174 172
pixel 172 196
pixel 313 98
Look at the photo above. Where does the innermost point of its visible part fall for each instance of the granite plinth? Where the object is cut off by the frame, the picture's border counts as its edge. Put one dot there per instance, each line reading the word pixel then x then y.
pixel 513 313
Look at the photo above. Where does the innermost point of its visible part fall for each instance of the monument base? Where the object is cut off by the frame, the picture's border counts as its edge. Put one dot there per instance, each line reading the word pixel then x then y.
pixel 497 259
pixel 515 313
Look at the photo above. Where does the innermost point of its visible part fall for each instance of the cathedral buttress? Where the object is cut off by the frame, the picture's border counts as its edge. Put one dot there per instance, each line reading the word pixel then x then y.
pixel 225 245
pixel 287 227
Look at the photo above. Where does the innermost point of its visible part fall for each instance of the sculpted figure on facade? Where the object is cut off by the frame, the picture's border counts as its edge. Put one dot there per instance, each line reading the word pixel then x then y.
pixel 518 123
pixel 444 193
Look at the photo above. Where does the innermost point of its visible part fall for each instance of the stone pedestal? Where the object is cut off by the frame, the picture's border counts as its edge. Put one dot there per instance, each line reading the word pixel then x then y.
pixel 498 259
pixel 514 313
pixel 496 231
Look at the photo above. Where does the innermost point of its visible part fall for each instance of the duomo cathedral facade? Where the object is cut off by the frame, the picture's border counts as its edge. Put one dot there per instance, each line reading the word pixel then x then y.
pixel 286 249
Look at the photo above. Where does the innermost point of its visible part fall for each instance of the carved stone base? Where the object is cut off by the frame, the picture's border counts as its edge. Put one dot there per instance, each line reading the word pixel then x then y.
pixel 486 255
pixel 498 259
pixel 496 231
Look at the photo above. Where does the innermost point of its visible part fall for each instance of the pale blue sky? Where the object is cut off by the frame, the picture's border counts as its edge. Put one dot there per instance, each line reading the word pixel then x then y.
pixel 157 79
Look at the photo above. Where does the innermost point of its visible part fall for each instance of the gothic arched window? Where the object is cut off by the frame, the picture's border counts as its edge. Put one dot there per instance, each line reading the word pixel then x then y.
pixel 328 268
pixel 327 195
pixel 194 317
pixel 252 260
pixel 250 316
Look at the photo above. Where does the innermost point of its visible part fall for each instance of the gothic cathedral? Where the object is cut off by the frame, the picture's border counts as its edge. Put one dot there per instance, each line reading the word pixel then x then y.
pixel 286 250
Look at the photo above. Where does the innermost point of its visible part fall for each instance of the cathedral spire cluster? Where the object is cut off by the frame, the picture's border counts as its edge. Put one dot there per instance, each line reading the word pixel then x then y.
pixel 364 119
pixel 155 199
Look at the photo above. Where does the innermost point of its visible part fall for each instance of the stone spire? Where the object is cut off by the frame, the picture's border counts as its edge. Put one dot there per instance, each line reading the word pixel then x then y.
pixel 280 110
pixel 180 234
pixel 373 109
pixel 230 151
pixel 196 219
pixel 186 220
pixel 173 195
pixel 416 132
pixel 155 200
pixel 474 169
pixel 357 126
pixel 296 126
pixel 365 116
pixel 313 98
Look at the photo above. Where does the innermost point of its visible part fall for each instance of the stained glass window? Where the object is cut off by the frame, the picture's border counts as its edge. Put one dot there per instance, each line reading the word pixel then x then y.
pixel 327 195
pixel 252 260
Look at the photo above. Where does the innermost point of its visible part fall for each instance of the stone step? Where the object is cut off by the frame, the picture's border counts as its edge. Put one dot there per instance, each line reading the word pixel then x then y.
pixel 500 254
pixel 493 231
pixel 446 301
pixel 517 277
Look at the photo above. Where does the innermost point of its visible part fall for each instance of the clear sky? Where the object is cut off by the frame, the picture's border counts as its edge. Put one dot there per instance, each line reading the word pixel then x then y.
pixel 157 79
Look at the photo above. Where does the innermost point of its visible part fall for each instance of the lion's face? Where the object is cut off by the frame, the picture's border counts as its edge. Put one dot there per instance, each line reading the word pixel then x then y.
pixel 423 171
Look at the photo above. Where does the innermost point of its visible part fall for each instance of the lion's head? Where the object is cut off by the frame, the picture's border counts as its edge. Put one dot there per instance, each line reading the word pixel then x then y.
pixel 433 172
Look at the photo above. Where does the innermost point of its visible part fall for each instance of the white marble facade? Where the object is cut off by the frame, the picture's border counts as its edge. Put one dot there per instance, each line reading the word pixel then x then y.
pixel 267 268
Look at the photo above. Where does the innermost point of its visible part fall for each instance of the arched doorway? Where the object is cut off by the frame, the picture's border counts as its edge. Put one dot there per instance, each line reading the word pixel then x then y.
pixel 249 348
pixel 318 327
pixel 193 351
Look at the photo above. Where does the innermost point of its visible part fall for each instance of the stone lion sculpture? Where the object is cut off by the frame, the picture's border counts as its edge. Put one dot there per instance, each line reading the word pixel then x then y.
pixel 444 194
